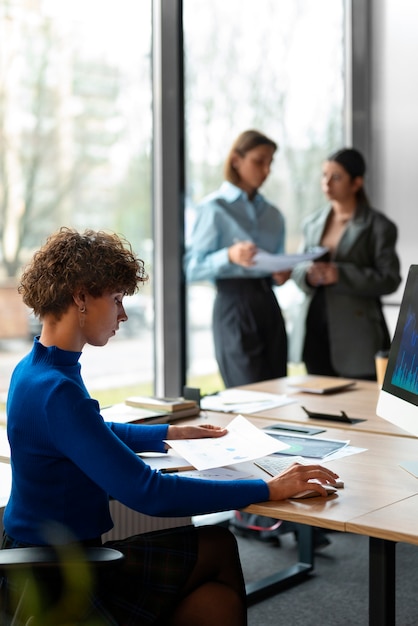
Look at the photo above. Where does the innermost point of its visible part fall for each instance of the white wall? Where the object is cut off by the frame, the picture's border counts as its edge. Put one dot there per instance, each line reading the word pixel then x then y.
pixel 394 132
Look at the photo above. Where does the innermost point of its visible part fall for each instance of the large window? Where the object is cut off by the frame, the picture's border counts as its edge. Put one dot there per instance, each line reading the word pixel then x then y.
pixel 76 140
pixel 276 66
pixel 75 150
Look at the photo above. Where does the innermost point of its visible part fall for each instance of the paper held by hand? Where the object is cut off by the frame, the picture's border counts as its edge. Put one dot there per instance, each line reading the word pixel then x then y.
pixel 243 442
pixel 267 262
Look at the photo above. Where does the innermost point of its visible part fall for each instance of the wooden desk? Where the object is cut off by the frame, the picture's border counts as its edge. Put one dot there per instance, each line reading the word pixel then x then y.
pixel 388 497
pixel 358 402
pixel 380 500
pixel 373 480
pixel 394 523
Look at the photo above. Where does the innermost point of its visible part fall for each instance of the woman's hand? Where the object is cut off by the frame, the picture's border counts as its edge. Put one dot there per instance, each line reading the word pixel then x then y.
pixel 242 253
pixel 322 274
pixel 281 277
pixel 195 432
pixel 295 479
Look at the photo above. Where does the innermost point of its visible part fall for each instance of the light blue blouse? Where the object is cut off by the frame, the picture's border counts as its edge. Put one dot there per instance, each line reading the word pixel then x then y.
pixel 225 217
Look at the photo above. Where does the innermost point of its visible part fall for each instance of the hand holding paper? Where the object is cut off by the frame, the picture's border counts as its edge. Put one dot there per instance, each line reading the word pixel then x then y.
pixel 243 442
pixel 281 262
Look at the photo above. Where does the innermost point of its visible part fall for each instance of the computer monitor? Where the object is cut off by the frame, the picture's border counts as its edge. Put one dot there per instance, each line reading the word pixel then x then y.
pixel 398 398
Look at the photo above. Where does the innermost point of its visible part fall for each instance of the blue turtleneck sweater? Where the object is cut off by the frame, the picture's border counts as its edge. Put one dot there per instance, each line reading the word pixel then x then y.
pixel 67 461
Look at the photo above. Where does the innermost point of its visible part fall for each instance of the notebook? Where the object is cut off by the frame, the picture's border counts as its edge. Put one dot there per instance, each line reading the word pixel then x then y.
pixel 124 414
pixel 322 384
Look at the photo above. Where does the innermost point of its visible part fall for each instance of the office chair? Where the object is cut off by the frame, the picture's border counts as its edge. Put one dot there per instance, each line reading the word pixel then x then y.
pixel 49 586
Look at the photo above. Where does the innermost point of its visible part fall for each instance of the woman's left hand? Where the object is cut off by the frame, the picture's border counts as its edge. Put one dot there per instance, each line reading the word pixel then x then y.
pixel 195 432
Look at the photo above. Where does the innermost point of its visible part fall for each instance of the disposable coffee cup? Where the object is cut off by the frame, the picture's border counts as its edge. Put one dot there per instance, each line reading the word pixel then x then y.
pixel 381 361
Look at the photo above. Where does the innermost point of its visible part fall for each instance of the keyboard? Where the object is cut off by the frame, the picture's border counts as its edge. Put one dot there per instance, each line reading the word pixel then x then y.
pixel 274 465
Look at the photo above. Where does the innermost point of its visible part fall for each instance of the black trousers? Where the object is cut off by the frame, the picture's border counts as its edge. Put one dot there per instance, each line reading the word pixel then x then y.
pixel 317 349
pixel 249 332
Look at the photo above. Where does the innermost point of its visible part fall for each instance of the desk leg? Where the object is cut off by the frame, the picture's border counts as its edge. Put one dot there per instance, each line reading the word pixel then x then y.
pixel 290 576
pixel 382 582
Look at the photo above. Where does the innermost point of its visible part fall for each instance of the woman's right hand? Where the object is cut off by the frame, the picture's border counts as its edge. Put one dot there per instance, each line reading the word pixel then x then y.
pixel 322 274
pixel 296 479
pixel 242 253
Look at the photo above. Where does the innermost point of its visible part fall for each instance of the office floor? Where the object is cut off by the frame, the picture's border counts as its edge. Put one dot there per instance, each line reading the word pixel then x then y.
pixel 336 594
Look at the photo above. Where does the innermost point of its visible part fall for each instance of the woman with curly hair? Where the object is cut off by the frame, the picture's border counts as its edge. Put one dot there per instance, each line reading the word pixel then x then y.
pixel 67 461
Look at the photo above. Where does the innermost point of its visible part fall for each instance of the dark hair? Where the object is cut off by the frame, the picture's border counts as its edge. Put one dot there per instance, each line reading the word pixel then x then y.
pixel 96 261
pixel 246 141
pixel 354 164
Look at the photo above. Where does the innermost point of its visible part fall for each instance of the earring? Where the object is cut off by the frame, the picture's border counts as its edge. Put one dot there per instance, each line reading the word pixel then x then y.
pixel 82 309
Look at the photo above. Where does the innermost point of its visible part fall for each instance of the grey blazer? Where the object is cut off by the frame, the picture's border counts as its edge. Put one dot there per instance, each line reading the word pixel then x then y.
pixel 368 268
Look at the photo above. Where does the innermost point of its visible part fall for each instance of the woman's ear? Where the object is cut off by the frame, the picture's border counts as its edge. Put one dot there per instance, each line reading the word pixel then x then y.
pixel 79 298
pixel 357 183
pixel 235 159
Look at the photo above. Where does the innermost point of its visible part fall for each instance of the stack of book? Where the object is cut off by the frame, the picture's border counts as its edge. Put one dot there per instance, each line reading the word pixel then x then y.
pixel 175 408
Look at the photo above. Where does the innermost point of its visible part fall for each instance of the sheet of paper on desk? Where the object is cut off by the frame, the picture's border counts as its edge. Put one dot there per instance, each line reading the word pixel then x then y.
pixel 123 414
pixel 313 447
pixel 267 262
pixel 347 451
pixel 339 454
pixel 219 473
pixel 169 461
pixel 243 401
pixel 243 442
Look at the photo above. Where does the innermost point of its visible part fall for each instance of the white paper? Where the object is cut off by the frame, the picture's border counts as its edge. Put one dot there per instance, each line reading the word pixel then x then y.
pixel 122 413
pixel 243 442
pixel 219 473
pixel 281 262
pixel 169 460
pixel 237 401
pixel 339 454
pixel 347 451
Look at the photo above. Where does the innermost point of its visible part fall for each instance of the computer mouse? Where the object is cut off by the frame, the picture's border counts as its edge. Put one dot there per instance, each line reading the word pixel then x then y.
pixel 308 493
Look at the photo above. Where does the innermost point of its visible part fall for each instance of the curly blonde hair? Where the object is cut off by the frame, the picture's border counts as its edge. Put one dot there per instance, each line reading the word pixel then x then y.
pixel 95 261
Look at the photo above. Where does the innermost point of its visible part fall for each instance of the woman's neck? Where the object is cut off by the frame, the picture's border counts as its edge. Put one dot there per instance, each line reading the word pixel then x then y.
pixel 250 191
pixel 344 211
pixel 64 333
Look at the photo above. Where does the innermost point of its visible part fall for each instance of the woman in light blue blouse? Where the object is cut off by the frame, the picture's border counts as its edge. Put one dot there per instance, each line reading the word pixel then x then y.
pixel 232 224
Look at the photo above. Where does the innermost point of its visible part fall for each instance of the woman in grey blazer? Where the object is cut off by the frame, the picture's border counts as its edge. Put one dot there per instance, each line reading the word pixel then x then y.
pixel 341 324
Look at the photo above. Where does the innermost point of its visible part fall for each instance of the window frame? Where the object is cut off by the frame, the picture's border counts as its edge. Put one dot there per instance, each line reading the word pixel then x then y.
pixel 169 176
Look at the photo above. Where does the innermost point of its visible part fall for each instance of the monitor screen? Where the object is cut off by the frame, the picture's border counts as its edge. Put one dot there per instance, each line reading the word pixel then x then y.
pixel 398 398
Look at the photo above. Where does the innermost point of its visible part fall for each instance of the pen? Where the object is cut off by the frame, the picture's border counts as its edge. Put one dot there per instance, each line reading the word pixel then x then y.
pixel 175 470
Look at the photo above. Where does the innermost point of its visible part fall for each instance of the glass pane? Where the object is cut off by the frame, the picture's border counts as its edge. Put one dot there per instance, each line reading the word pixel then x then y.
pixel 75 150
pixel 276 66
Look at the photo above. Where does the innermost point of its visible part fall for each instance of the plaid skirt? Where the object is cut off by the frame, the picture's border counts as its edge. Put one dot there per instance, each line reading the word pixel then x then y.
pixel 146 587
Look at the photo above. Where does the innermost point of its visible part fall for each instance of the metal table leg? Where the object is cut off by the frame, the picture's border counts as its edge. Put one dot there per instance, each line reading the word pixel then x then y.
pixel 382 582
pixel 289 576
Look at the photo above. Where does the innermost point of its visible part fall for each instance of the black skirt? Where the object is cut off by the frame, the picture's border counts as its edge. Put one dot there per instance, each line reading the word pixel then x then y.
pixel 147 586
